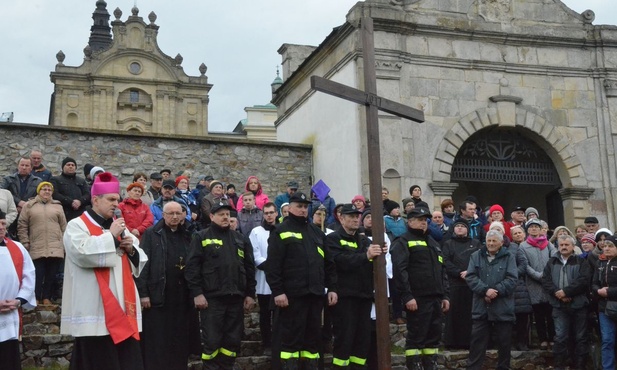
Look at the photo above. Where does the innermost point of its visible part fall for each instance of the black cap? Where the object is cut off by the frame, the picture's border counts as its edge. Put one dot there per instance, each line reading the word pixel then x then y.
pixel 169 183
pixel 591 220
pixel 165 170
pixel 518 208
pixel 292 185
pixel 421 204
pixel 350 209
pixel 299 197
pixel 87 168
pixel 533 221
pixel 156 176
pixel 220 205
pixel 611 238
pixel 390 205
pixel 419 212
pixel 209 178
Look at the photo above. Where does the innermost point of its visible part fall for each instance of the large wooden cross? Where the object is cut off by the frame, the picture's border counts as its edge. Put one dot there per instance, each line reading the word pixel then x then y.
pixel 373 104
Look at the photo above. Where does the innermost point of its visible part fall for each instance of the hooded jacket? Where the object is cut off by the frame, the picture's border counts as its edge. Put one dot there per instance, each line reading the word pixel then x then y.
pixel 260 197
pixel 42 224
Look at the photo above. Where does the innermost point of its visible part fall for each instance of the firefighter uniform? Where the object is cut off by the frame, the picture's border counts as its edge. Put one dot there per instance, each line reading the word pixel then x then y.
pixel 299 265
pixel 220 266
pixel 419 274
pixel 352 313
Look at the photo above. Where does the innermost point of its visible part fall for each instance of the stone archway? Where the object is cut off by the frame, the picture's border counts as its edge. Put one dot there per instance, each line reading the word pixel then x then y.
pixel 574 189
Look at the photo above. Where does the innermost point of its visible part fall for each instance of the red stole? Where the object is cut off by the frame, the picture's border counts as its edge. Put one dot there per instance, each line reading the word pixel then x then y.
pixel 120 325
pixel 18 261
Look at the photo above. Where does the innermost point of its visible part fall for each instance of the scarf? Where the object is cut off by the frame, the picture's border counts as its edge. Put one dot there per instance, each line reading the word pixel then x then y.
pixel 540 242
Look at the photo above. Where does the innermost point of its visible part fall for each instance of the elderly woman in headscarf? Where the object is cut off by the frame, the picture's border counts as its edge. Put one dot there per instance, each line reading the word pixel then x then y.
pixel 457 252
pixel 40 227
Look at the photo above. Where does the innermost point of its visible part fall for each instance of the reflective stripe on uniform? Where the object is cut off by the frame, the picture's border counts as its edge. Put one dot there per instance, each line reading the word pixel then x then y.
pixel 413 352
pixel 430 351
pixel 289 234
pixel 416 243
pixel 309 355
pixel 241 253
pixel 207 357
pixel 357 360
pixel 288 355
pixel 227 352
pixel 320 251
pixel 349 244
pixel 440 259
pixel 206 242
pixel 339 362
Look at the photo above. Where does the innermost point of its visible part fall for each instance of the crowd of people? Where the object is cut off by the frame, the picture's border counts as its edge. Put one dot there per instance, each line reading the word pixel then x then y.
pixel 152 273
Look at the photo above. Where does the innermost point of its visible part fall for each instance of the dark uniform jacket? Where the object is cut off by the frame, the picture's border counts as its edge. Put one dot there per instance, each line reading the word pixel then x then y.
pixel 12 183
pixel 66 189
pixel 499 274
pixel 605 275
pixel 299 263
pixel 220 263
pixel 151 281
pixel 579 276
pixel 354 270
pixel 418 267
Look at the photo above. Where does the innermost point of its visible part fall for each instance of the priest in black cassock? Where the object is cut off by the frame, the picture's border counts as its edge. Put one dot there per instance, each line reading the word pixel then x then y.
pixel 170 324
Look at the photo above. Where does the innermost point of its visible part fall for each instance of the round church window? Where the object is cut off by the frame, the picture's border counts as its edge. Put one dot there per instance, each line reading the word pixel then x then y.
pixel 135 68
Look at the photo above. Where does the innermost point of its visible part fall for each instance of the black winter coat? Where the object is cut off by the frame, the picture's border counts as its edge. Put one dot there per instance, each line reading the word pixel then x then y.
pixel 418 267
pixel 605 276
pixel 579 276
pixel 151 282
pixel 522 300
pixel 13 184
pixel 353 269
pixel 220 263
pixel 69 188
pixel 299 263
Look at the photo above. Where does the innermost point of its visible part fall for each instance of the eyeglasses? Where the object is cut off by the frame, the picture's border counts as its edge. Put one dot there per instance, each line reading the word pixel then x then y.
pixel 176 214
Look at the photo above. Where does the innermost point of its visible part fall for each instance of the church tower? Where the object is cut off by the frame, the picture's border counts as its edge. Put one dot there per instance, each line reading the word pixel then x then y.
pixel 127 83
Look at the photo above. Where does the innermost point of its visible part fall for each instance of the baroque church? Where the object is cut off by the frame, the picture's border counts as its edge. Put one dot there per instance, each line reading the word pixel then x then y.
pixel 519 98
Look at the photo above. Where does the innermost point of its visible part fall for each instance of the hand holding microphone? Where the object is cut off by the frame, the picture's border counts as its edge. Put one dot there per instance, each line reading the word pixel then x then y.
pixel 118 227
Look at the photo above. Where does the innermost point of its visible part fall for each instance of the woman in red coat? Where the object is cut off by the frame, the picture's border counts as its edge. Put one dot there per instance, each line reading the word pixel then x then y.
pixel 136 213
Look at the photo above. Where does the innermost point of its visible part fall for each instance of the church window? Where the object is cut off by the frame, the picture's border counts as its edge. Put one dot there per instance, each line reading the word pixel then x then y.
pixel 135 68
pixel 134 96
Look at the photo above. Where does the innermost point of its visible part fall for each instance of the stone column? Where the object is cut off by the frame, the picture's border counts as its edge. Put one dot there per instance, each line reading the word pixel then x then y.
pixel 575 205
pixel 441 191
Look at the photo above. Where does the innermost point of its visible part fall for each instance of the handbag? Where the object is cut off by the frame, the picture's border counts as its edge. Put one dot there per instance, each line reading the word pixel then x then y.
pixel 611 310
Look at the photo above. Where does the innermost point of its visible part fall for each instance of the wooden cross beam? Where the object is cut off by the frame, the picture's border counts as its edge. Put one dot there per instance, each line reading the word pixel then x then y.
pixel 373 104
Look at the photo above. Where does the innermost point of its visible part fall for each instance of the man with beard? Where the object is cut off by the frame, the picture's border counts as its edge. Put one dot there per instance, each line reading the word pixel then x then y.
pixel 299 269
pixel 71 190
pixel 221 275
pixel 259 239
pixel 353 256
pixel 421 280
pixel 168 310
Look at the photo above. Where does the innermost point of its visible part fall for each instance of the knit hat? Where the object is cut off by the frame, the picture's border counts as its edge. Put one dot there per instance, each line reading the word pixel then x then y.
pixel 364 214
pixel 603 231
pixel 68 160
pixel 180 178
pixel 43 183
pixel 460 222
pixel 496 207
pixel 358 197
pixel 94 170
pixel 531 210
pixel 105 183
pixel 406 201
pixel 229 186
pixel 499 225
pixel 391 205
pixel 213 183
pixel 136 184
pixel 414 187
pixel 533 221
pixel 589 238
pixel 87 168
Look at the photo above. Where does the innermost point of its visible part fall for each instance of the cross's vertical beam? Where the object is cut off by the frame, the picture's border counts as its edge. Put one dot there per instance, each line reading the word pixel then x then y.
pixel 374 169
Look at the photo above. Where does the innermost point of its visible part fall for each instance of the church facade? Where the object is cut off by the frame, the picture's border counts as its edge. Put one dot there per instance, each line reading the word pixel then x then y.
pixel 127 83
pixel 519 97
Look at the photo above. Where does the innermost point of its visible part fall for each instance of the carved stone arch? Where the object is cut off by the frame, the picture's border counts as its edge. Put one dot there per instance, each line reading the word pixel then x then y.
pixel 163 64
pixel 537 128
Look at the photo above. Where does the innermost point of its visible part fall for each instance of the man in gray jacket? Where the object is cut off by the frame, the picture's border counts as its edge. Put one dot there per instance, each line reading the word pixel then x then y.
pixel 491 275
pixel 566 280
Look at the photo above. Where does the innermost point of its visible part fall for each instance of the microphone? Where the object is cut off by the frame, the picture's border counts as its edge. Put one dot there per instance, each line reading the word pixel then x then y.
pixel 118 214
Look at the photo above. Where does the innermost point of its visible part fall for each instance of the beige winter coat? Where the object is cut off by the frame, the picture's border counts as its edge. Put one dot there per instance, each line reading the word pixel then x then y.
pixel 42 225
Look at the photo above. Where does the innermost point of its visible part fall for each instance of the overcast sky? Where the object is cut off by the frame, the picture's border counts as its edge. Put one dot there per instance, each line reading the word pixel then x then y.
pixel 237 39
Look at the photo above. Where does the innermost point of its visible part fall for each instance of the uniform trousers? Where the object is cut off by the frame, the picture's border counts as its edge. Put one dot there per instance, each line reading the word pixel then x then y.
pixel 424 327
pixel 352 331
pixel 481 332
pixel 9 355
pixel 222 326
pixel 265 319
pixel 300 327
pixel 100 353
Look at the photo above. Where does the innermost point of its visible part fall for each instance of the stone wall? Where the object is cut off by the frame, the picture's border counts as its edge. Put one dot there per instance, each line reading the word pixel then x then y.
pixel 227 159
